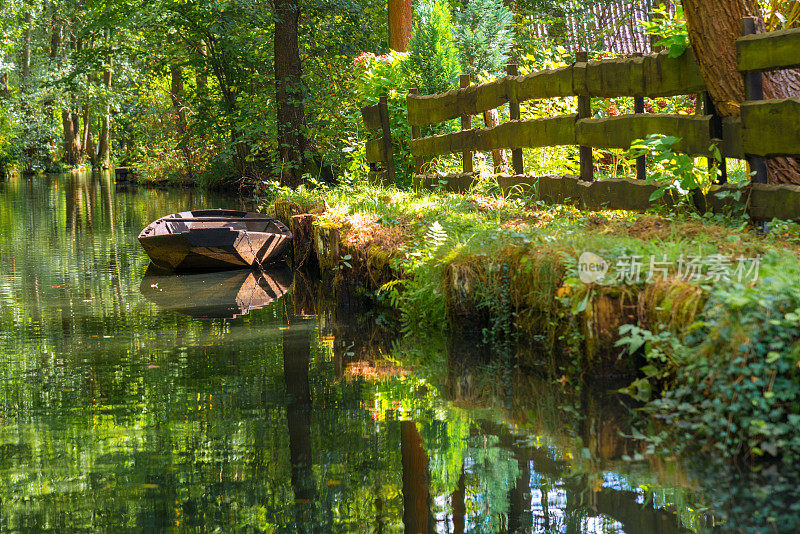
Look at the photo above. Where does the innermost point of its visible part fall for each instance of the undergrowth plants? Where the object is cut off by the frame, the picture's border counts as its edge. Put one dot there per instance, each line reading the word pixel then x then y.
pixel 710 349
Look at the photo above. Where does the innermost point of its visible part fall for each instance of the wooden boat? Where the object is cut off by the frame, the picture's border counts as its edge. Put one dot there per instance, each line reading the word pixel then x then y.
pixel 215 294
pixel 214 239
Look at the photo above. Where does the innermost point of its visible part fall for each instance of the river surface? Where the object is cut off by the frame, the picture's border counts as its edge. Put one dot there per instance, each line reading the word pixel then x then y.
pixel 239 402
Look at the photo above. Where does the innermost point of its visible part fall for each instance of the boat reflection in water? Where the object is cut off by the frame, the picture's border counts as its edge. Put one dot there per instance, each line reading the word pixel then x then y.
pixel 215 294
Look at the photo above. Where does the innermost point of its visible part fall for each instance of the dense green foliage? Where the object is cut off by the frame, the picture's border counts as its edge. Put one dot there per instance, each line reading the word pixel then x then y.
pixel 433 56
pixel 484 37
pixel 738 388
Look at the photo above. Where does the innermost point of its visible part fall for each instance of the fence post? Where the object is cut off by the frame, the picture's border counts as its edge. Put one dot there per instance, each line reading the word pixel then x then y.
pixel 585 112
pixel 416 133
pixel 517 163
pixel 641 161
pixel 383 111
pixel 754 90
pixel 716 133
pixel 466 124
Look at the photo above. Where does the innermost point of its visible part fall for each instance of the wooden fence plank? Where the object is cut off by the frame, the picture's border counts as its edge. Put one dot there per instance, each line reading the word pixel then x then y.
pixel 514 114
pixel 513 134
pixel 666 76
pixel 765 201
pixel 466 124
pixel 372 117
pixel 771 127
pixel 655 75
pixel 376 151
pixel 769 51
pixel 618 132
pixel 731 145
pixel 458 183
pixel 548 83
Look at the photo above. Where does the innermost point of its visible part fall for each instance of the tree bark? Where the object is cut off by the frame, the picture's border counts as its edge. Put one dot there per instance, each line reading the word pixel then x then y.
pixel 399 24
pixel 292 142
pixel 88 135
pixel 72 141
pixel 201 80
pixel 713 30
pixel 499 160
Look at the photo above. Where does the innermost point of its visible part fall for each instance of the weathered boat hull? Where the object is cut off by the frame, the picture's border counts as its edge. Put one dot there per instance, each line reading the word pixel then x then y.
pixel 229 293
pixel 214 240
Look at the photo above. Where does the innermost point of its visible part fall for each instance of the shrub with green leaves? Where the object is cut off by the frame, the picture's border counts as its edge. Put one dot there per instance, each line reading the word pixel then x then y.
pixel 672 30
pixel 484 37
pixel 738 390
pixel 671 171
pixel 433 57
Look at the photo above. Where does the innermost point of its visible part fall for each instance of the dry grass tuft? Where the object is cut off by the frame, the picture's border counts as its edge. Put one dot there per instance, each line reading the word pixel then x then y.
pixel 363 231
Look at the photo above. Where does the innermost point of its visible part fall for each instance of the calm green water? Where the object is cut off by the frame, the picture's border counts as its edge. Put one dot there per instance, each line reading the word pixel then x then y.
pixel 133 402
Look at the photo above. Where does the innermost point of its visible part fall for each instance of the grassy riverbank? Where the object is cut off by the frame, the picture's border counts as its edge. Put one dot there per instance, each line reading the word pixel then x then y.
pixel 685 297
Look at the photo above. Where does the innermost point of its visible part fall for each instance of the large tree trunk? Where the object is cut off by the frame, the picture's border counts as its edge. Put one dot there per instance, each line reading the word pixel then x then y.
pixel 88 135
pixel 292 142
pixel 499 160
pixel 201 80
pixel 713 30
pixel 72 141
pixel 399 24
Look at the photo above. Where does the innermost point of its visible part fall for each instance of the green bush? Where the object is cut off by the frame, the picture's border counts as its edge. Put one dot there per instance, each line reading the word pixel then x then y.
pixel 738 390
pixel 433 57
pixel 8 149
pixel 484 37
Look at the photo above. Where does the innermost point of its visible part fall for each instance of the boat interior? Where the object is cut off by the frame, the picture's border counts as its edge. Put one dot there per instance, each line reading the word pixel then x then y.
pixel 207 219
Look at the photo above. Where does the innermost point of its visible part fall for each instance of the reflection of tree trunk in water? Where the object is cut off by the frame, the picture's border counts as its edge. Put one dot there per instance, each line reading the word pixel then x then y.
pixel 105 188
pixel 520 518
pixel 296 357
pixel 459 504
pixel 492 119
pixel 417 516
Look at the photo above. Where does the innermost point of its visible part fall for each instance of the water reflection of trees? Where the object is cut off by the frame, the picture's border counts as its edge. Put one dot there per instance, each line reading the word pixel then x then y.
pixel 115 414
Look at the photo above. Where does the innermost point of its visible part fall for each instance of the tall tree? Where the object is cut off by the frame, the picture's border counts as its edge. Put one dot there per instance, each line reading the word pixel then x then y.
pixel 713 29
pixel 292 142
pixel 399 24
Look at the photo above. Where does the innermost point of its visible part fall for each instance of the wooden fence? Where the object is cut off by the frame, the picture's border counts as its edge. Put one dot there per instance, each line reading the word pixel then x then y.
pixel 765 128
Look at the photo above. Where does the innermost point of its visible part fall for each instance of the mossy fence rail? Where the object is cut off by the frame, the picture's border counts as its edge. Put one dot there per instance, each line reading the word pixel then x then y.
pixel 766 128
